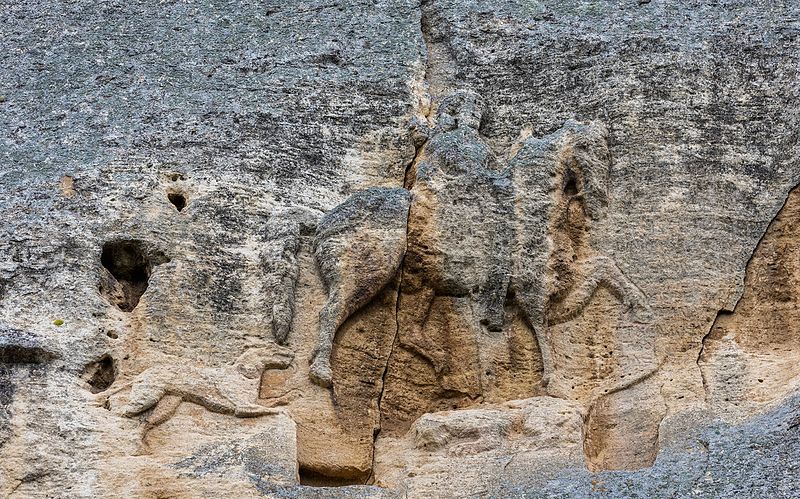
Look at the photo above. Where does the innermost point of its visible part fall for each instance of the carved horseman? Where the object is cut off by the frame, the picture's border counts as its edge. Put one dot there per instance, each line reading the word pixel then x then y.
pixel 459 238
pixel 466 230
pixel 454 236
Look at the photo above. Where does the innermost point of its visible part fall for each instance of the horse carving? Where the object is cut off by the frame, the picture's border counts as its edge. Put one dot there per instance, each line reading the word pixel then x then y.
pixel 464 227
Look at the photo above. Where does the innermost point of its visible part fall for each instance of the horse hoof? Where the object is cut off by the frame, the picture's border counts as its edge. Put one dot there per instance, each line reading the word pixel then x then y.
pixel 321 375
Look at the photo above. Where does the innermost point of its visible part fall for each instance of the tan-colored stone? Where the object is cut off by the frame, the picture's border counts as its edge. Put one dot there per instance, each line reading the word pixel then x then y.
pixel 751 356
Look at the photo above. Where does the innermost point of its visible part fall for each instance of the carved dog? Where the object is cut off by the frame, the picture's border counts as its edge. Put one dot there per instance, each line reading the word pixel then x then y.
pixel 229 389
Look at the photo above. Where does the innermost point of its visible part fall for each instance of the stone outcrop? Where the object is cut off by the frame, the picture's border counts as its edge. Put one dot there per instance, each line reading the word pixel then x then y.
pixel 749 356
pixel 414 249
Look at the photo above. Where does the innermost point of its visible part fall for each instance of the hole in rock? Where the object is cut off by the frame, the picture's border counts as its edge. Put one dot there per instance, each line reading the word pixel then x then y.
pixel 313 478
pixel 571 185
pixel 177 199
pixel 130 268
pixel 100 374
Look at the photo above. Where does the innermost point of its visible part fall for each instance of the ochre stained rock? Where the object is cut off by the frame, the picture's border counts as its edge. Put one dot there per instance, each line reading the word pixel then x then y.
pixel 751 356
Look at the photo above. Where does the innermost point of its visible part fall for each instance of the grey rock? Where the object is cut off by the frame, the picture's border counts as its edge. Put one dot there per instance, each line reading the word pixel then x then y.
pixel 223 138
pixel 23 347
pixel 756 459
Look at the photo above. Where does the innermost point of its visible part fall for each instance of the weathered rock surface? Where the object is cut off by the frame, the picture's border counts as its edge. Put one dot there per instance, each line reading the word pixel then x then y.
pixel 389 248
pixel 750 355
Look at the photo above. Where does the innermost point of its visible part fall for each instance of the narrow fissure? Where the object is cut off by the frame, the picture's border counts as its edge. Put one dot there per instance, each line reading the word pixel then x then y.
pixel 399 288
pixel 705 338
pixel 408 184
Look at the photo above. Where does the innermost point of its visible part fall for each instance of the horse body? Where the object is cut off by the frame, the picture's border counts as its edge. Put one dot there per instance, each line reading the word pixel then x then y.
pixel 465 229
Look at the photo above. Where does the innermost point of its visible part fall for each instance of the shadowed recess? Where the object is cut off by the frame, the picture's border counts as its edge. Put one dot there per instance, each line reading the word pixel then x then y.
pixel 314 479
pixel 178 200
pixel 130 267
pixel 100 374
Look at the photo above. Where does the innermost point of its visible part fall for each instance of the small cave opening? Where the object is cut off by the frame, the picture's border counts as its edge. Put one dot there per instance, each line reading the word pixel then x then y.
pixel 100 374
pixel 570 184
pixel 130 267
pixel 178 200
pixel 313 478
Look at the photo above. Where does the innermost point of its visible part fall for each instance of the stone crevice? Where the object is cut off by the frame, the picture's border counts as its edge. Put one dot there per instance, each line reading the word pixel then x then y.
pixel 407 183
pixel 703 341
pixel 399 288
pixel 377 431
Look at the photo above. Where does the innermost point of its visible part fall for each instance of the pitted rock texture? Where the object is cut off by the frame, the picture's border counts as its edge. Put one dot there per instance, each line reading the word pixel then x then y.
pixel 379 248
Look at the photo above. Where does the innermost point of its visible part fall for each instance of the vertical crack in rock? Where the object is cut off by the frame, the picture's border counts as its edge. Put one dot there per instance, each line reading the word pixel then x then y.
pixel 706 336
pixel 729 311
pixel 419 140
pixel 399 288
pixel 377 431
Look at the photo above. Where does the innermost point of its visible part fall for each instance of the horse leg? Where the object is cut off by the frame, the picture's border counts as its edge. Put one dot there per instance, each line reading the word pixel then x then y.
pixel 576 300
pixel 417 306
pixel 332 315
pixel 492 301
pixel 604 270
pixel 530 303
pixel 164 410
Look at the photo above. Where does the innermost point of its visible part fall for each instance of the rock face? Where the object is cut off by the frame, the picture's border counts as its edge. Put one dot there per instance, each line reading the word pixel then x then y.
pixel 748 357
pixel 392 248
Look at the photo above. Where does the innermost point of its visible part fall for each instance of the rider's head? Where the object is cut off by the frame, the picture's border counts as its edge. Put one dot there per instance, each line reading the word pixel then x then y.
pixel 462 108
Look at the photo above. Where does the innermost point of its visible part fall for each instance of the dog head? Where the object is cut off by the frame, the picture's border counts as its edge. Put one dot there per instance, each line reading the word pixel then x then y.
pixel 254 361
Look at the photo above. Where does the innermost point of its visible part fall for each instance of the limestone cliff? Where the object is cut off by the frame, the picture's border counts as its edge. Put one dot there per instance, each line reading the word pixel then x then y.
pixel 396 248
